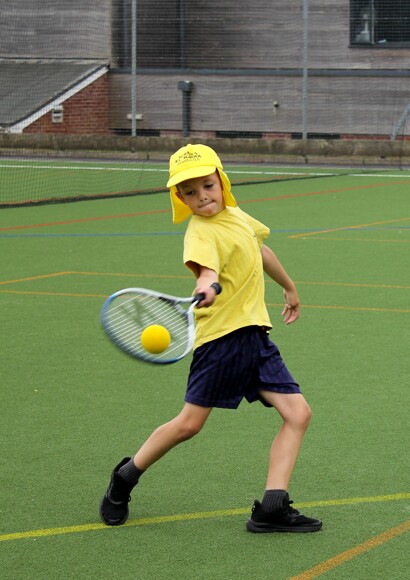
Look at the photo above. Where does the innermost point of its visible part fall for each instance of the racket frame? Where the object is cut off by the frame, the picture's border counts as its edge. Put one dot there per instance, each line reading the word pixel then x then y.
pixel 178 303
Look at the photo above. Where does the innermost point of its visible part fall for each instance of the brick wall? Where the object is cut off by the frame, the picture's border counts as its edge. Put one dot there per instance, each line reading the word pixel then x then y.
pixel 86 113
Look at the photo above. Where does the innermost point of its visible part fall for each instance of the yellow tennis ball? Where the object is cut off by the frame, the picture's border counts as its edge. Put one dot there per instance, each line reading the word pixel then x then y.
pixel 155 338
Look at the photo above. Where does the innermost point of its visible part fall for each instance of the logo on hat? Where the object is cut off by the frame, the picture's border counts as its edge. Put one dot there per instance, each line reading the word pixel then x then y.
pixel 188 157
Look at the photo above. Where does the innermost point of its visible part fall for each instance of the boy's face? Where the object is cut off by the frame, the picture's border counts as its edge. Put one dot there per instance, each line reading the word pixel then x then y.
pixel 203 195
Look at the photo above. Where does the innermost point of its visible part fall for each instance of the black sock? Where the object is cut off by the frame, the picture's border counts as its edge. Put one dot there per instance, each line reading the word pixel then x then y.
pixel 130 473
pixel 273 499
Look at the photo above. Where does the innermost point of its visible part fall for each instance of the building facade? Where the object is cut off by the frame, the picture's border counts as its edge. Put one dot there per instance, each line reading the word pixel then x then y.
pixel 272 69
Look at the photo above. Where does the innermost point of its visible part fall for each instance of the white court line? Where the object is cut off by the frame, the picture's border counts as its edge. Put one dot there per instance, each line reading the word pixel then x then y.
pixel 236 172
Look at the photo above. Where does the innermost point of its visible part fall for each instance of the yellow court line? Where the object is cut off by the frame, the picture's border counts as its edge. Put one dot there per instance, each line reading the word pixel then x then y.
pixel 319 306
pixel 191 516
pixel 188 277
pixel 316 233
pixel 347 555
pixel 358 240
pixel 325 238
pixel 68 294
pixel 354 308
pixel 352 285
pixel 358 308
pixel 132 275
pixel 34 278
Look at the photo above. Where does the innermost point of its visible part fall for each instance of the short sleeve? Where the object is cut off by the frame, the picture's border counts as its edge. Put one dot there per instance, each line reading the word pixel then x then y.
pixel 261 231
pixel 203 252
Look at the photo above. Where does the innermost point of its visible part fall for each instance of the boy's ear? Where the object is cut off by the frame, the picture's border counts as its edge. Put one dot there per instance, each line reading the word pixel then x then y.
pixel 179 196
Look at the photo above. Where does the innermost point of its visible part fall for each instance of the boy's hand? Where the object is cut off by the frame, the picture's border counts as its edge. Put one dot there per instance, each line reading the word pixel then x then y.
pixel 291 310
pixel 210 295
pixel 206 278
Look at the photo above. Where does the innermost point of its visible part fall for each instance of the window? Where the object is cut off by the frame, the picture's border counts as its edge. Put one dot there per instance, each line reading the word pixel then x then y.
pixel 380 23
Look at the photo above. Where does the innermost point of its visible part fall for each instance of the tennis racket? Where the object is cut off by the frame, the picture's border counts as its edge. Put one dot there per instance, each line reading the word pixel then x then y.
pixel 128 312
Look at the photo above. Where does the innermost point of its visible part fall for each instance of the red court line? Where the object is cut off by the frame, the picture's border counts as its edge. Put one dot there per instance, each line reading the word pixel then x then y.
pixel 84 220
pixel 153 212
pixel 324 192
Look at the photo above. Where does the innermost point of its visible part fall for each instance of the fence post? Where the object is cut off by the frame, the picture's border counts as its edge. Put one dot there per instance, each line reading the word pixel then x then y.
pixel 134 68
pixel 305 68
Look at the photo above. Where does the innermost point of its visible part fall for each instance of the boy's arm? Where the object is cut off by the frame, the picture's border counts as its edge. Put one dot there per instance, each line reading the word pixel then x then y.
pixel 274 269
pixel 206 277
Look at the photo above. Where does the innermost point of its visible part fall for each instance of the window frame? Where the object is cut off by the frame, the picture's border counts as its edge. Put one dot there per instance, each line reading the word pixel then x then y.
pixel 369 33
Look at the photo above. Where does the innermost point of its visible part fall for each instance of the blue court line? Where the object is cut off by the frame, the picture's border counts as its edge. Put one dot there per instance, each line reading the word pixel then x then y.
pixel 136 234
pixel 90 235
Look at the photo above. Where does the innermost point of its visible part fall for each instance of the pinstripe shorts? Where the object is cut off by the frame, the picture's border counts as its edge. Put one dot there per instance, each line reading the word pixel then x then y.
pixel 236 366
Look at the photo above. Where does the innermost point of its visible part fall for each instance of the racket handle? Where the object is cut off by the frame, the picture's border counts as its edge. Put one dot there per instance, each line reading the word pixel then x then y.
pixel 198 297
pixel 217 287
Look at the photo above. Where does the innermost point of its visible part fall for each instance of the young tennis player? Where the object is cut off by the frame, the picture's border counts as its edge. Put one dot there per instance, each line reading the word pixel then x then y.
pixel 233 357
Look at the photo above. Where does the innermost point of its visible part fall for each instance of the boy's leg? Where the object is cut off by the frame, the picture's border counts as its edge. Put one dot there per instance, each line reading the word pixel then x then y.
pixel 188 423
pixel 114 505
pixel 284 452
pixel 274 514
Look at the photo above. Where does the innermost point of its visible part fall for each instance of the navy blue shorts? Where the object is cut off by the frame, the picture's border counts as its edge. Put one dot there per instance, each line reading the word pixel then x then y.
pixel 237 365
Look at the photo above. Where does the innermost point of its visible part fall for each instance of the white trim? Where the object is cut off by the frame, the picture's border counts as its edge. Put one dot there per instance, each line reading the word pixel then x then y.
pixel 19 127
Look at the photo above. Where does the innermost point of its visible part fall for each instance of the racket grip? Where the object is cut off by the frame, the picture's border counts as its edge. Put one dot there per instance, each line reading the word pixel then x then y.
pixel 199 297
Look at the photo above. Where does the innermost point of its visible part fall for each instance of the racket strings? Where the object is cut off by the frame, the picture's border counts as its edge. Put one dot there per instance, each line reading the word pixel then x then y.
pixel 131 315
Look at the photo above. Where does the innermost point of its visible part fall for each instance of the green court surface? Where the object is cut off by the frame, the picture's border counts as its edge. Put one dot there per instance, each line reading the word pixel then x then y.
pixel 73 405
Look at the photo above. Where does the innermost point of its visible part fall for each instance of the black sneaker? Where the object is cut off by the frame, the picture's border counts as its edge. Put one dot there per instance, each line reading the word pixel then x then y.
pixel 114 505
pixel 283 519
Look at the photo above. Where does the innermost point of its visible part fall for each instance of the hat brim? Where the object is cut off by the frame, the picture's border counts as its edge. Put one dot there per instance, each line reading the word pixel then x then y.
pixel 191 173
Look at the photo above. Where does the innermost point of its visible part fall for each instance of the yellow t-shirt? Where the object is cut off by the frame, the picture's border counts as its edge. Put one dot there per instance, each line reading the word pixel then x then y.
pixel 229 243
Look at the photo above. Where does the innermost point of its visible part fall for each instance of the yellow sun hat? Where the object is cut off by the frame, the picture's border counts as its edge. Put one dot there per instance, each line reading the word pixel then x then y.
pixel 190 162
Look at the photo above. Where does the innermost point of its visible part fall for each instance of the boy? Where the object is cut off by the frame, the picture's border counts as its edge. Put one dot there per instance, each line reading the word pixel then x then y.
pixel 233 355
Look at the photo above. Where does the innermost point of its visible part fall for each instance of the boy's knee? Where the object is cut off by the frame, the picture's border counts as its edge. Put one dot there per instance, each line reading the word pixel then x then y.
pixel 299 417
pixel 304 416
pixel 308 415
pixel 188 429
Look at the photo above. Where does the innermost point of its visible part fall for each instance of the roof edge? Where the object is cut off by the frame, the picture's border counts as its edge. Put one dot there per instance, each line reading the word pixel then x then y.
pixel 20 125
